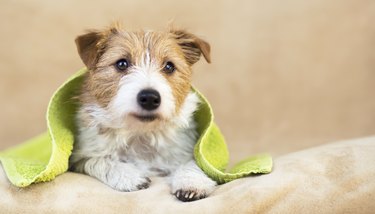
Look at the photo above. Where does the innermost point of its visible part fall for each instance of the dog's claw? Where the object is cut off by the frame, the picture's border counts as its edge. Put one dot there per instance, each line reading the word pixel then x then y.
pixel 202 196
pixel 191 195
pixel 188 195
pixel 144 185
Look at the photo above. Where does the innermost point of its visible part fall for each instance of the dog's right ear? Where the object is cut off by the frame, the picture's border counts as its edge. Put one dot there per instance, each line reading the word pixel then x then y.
pixel 88 47
pixel 192 46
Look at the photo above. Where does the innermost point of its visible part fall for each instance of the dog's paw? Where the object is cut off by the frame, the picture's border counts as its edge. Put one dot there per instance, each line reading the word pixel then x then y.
pixel 128 182
pixel 191 187
pixel 127 179
pixel 186 195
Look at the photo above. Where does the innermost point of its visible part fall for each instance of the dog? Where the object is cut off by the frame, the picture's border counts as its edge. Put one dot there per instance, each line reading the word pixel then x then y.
pixel 135 118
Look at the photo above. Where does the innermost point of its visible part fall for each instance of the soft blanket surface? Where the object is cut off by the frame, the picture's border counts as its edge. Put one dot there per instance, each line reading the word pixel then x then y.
pixel 335 178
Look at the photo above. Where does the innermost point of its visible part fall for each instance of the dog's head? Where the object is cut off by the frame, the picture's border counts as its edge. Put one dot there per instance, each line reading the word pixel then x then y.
pixel 139 77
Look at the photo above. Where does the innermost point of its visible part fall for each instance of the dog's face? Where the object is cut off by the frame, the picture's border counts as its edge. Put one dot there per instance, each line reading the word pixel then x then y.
pixel 139 78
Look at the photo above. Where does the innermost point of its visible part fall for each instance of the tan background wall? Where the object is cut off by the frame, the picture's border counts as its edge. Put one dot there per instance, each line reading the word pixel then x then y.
pixel 286 75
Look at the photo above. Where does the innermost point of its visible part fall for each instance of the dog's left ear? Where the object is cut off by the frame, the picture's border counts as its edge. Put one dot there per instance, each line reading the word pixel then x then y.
pixel 87 46
pixel 192 46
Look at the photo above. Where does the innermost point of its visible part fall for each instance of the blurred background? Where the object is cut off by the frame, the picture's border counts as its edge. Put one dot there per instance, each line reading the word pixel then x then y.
pixel 285 75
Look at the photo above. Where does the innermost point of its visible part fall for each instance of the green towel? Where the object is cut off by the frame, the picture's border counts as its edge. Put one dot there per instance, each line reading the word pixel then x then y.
pixel 46 156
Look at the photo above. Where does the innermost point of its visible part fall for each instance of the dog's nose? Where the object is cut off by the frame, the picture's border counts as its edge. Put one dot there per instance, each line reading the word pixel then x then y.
pixel 149 99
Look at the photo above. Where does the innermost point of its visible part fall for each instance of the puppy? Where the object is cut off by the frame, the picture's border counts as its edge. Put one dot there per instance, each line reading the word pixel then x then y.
pixel 136 114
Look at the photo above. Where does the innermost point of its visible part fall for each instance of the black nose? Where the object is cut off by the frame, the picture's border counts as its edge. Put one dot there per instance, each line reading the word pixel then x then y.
pixel 149 99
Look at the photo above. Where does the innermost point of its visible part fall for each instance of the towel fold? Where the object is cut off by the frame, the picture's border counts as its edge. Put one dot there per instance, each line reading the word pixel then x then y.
pixel 44 157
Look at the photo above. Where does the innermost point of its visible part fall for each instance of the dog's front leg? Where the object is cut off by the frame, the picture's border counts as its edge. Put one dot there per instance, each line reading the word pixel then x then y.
pixel 190 183
pixel 115 173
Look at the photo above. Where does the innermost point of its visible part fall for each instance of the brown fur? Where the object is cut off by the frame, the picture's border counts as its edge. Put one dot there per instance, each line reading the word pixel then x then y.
pixel 100 50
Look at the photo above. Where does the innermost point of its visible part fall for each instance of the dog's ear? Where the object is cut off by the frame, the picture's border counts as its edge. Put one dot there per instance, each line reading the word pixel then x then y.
pixel 192 46
pixel 87 46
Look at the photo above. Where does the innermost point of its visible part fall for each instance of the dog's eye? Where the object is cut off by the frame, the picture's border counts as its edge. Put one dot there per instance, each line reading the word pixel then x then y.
pixel 169 68
pixel 122 64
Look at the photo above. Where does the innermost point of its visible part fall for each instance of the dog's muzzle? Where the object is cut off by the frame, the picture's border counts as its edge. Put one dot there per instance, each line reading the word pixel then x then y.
pixel 149 99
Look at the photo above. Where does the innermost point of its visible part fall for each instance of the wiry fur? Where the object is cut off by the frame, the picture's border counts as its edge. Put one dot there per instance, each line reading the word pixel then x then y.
pixel 113 145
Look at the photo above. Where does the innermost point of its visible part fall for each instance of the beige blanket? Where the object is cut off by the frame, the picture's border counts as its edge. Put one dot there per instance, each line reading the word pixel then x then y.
pixel 335 178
